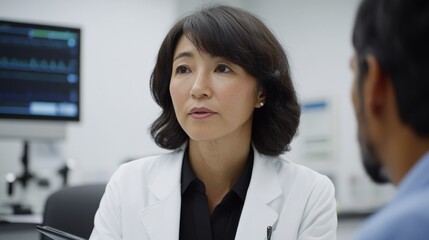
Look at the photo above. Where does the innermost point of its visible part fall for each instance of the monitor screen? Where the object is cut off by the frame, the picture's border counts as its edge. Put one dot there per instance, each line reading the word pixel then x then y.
pixel 39 72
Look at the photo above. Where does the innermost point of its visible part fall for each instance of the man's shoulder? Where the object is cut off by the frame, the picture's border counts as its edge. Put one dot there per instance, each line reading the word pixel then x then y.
pixel 405 218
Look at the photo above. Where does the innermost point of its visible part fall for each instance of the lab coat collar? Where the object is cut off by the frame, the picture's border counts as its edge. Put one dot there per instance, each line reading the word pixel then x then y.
pixel 264 188
pixel 162 219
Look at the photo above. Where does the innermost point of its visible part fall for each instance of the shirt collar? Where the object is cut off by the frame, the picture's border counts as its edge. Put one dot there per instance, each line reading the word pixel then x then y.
pixel 416 179
pixel 240 187
pixel 188 174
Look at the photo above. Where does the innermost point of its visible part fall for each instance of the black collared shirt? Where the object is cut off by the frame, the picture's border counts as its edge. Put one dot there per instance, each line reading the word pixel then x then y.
pixel 196 223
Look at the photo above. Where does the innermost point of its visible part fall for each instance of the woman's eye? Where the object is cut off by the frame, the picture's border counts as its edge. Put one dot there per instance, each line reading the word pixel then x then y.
pixel 223 69
pixel 182 69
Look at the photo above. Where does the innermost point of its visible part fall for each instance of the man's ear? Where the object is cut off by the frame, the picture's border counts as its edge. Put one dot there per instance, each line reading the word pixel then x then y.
pixel 376 87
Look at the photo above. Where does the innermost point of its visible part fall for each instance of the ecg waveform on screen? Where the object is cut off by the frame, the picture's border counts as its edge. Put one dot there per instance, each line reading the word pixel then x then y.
pixel 39 71
pixel 32 96
pixel 33 43
pixel 34 76
pixel 40 65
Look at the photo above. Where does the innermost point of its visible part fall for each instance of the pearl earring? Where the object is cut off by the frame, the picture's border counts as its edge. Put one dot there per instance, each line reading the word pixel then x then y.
pixel 261 104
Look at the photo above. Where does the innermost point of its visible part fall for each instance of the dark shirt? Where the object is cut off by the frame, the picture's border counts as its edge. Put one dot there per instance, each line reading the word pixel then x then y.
pixel 196 223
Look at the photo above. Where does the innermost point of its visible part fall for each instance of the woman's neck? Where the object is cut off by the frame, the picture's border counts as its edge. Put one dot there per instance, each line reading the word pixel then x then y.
pixel 218 166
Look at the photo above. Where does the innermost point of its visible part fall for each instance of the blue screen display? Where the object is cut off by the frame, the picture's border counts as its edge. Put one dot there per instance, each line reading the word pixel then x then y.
pixel 39 71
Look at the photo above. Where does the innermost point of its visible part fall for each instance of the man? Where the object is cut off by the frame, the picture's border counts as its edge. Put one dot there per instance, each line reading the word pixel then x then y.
pixel 391 99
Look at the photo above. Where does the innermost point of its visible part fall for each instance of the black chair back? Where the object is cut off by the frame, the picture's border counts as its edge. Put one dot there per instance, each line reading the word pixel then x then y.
pixel 72 209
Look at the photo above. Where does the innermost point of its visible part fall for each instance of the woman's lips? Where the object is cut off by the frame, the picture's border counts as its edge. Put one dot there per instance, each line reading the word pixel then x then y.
pixel 201 113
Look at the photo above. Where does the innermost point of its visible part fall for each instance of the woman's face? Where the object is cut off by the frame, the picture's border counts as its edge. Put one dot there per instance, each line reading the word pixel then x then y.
pixel 212 97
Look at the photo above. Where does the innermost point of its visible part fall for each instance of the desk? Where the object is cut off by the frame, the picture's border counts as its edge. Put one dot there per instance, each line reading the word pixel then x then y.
pixel 19 227
pixel 19 231
pixel 32 218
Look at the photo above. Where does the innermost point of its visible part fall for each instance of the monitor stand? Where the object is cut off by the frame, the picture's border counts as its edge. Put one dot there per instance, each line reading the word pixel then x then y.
pixel 26 174
pixel 24 178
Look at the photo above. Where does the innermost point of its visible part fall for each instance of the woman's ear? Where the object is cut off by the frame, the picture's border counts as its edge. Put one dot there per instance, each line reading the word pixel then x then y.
pixel 260 101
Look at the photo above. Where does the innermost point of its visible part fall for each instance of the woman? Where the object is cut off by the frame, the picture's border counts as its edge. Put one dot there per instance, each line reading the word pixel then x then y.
pixel 229 110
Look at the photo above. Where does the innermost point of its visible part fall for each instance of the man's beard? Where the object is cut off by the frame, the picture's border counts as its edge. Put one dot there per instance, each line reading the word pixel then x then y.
pixel 371 162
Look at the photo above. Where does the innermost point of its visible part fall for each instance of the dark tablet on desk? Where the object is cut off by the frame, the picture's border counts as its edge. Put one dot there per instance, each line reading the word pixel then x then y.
pixel 56 234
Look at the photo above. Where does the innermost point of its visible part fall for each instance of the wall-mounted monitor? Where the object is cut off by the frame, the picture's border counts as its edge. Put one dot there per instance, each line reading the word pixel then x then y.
pixel 39 79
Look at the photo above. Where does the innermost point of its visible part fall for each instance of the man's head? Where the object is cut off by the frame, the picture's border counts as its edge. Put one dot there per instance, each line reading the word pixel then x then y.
pixel 391 65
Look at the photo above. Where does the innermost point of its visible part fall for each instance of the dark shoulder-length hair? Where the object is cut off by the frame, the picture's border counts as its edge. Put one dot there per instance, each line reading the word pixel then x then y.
pixel 243 39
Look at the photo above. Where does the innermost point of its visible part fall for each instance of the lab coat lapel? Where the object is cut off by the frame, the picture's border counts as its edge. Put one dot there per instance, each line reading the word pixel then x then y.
pixel 257 214
pixel 162 218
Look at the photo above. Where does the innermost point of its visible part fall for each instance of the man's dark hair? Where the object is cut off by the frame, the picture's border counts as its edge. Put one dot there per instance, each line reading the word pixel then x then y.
pixel 396 32
pixel 243 39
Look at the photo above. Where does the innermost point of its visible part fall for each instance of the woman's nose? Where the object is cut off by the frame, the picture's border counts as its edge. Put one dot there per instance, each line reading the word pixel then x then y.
pixel 201 87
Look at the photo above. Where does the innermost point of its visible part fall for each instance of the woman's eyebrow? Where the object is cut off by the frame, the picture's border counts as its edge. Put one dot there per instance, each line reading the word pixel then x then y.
pixel 183 54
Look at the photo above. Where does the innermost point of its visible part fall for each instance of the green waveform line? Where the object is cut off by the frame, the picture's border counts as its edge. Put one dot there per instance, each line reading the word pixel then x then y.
pixel 34 63
pixel 41 33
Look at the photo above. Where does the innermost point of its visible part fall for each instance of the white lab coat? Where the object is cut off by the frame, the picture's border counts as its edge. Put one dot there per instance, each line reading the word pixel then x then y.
pixel 143 200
